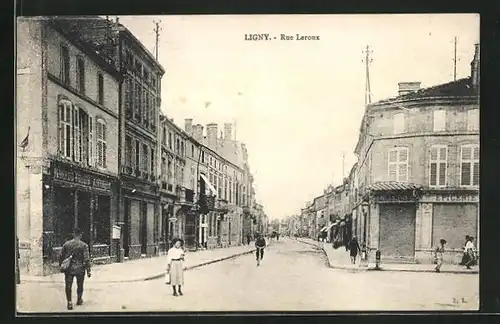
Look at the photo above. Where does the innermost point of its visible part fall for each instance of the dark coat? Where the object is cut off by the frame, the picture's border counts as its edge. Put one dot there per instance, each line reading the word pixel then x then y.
pixel 81 256
pixel 354 247
pixel 260 243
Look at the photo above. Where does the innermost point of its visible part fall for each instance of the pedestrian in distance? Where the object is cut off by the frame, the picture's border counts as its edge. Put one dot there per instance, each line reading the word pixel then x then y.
pixel 438 255
pixel 260 245
pixel 175 266
pixel 354 248
pixel 248 239
pixel 464 257
pixel 471 253
pixel 74 261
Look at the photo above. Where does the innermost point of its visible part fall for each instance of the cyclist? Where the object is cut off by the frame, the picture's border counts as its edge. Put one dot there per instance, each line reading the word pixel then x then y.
pixel 260 244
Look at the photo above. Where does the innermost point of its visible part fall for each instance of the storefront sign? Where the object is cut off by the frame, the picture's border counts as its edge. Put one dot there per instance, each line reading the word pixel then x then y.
pixel 81 178
pixel 394 198
pixel 116 232
pixel 456 198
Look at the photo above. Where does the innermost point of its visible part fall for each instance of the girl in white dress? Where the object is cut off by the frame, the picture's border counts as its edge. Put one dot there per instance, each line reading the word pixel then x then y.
pixel 175 266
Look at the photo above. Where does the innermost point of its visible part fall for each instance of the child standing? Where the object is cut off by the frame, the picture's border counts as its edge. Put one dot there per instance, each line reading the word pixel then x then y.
pixel 438 255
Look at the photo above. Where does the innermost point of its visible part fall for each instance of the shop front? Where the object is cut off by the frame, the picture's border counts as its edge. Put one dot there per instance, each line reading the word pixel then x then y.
pixel 449 215
pixel 391 220
pixel 78 197
pixel 141 219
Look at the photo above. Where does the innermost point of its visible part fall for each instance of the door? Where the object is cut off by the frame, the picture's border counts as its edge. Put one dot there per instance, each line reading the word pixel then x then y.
pixel 397 230
pixel 126 227
pixel 144 227
pixel 190 230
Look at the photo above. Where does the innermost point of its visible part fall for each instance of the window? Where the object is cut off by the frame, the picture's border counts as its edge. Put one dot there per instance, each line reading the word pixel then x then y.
pixel 398 123
pixel 177 146
pixel 191 180
pixel 65 139
pixel 164 136
pixel 91 157
pixel 152 161
pixel 100 80
pixel 170 172
pixel 77 138
pixel 192 150
pixel 225 188
pixel 473 119
pixel 144 104
pixel 101 143
pixel 469 165
pixel 153 111
pixel 220 187
pixel 65 66
pixel 163 168
pixel 80 78
pixel 137 155
pixel 439 118
pixel 137 101
pixel 128 151
pixel 398 164
pixel 181 177
pixel 437 167
pixel 145 163
pixel 170 140
pixel 129 94
pixel 202 157
pixel 182 148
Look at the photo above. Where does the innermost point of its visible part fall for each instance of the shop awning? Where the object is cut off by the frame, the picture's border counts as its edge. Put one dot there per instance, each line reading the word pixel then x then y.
pixel 393 186
pixel 210 185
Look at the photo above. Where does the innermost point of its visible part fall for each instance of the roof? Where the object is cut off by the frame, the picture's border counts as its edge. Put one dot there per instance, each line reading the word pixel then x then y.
pixel 459 88
pixel 393 186
pixel 95 29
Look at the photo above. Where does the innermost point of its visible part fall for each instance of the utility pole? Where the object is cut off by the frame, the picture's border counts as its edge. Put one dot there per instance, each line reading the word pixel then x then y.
pixel 157 32
pixel 455 59
pixel 367 60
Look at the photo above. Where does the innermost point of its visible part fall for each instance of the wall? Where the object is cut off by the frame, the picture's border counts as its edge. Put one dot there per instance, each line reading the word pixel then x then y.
pixel 91 81
pixel 418 153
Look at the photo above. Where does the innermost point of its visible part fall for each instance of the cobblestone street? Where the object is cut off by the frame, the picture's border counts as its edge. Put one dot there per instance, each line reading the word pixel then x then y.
pixel 292 277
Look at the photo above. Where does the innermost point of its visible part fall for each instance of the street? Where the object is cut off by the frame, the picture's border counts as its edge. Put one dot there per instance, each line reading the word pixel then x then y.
pixel 292 277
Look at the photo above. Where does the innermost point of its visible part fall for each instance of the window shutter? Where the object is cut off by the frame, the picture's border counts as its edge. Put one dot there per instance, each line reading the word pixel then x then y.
pixel 403 155
pixel 442 174
pixel 60 128
pixel 433 174
pixel 465 176
pixel 393 156
pixel 466 153
pixel 104 154
pixel 91 142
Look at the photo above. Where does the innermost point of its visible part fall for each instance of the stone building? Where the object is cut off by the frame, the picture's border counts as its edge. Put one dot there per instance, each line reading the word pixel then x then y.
pixel 418 169
pixel 67 112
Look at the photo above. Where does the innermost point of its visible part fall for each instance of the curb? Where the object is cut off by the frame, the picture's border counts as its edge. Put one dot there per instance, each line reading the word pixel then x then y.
pixel 339 267
pixel 158 275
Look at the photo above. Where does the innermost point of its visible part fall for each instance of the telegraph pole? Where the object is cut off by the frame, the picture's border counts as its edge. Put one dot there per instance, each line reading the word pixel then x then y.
pixel 455 59
pixel 367 60
pixel 157 32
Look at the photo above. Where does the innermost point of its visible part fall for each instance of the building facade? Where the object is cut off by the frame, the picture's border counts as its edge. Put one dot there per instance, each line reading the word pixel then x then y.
pixel 67 168
pixel 418 158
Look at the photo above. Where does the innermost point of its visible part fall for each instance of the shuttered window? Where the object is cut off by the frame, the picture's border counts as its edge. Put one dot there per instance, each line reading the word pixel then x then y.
pixel 437 166
pixel 469 165
pixel 473 119
pixel 439 120
pixel 398 164
pixel 101 143
pixel 398 123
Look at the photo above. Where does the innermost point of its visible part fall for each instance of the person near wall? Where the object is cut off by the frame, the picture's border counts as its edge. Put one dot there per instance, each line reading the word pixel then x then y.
pixel 354 248
pixel 464 257
pixel 248 239
pixel 175 266
pixel 471 253
pixel 74 261
pixel 438 255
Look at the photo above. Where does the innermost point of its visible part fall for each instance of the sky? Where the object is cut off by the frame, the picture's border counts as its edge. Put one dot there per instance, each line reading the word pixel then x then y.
pixel 301 102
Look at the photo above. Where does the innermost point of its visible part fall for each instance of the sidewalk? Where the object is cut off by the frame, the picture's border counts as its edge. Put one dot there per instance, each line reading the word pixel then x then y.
pixel 339 259
pixel 149 268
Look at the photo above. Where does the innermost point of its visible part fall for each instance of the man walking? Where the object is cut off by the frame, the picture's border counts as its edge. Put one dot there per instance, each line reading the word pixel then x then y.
pixel 248 239
pixel 76 252
pixel 260 244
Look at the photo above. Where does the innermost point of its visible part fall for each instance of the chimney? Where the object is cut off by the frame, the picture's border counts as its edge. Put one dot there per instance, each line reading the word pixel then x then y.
pixel 408 87
pixel 188 126
pixel 212 135
pixel 475 68
pixel 198 132
pixel 228 130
